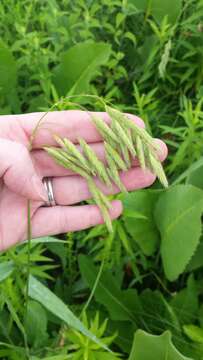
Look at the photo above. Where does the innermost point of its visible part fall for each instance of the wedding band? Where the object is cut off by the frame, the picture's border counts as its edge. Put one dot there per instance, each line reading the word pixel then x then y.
pixel 47 181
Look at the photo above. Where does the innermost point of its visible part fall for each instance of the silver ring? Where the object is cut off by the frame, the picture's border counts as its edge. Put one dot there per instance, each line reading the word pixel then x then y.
pixel 47 181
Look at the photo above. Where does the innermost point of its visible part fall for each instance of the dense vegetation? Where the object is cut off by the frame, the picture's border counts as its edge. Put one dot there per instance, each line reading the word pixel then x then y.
pixel 137 293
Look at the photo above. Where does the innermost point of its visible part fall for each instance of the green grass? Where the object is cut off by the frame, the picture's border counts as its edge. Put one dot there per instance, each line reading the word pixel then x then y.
pixel 145 57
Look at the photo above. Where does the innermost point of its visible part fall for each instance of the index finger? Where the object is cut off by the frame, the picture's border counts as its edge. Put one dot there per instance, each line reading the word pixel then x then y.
pixel 72 124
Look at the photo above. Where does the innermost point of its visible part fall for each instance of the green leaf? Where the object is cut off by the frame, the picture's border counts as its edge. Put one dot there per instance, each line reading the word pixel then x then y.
pixel 118 303
pixel 47 239
pixel 142 228
pixel 159 8
pixel 79 65
pixel 185 302
pixel 192 168
pixel 178 217
pixel 36 324
pixel 157 313
pixel 195 333
pixel 197 259
pixel 8 70
pixel 6 269
pixel 51 302
pixel 124 334
pixel 196 177
pixel 151 347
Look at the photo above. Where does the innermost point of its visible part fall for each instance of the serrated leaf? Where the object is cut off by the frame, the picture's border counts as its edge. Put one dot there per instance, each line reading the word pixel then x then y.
pixel 178 217
pixel 151 347
pixel 197 259
pixel 185 302
pixel 142 228
pixel 78 67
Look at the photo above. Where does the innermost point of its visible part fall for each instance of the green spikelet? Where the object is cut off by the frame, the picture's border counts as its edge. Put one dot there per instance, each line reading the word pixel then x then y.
pixel 72 149
pixel 61 160
pixel 104 130
pixel 113 173
pixel 124 138
pixel 157 169
pixel 94 163
pixel 140 151
pixel 104 205
pixel 126 156
pixel 116 157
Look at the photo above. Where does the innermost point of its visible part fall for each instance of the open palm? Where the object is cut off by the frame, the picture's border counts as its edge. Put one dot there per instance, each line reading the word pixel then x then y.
pixel 22 171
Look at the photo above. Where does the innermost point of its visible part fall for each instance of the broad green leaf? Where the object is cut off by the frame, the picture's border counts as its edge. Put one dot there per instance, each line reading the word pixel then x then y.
pixel 79 65
pixel 186 174
pixel 185 302
pixel 8 72
pixel 151 347
pixel 159 8
pixel 36 324
pixel 157 313
pixel 139 4
pixel 195 333
pixel 196 177
pixel 6 269
pixel 118 303
pixel 125 332
pixel 178 217
pixel 197 259
pixel 39 292
pixel 142 228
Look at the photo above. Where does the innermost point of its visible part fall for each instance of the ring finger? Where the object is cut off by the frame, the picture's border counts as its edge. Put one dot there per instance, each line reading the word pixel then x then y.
pixel 74 189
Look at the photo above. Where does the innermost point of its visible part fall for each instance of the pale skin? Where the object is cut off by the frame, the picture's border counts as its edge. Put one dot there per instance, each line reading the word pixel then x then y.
pixel 22 171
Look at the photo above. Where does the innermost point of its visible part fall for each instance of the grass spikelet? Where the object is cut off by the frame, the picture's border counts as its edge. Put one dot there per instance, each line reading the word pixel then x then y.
pixel 105 131
pixel 157 169
pixel 122 135
pixel 94 163
pixel 102 202
pixel 126 155
pixel 113 173
pixel 140 151
pixel 118 116
pixel 62 160
pixel 72 149
pixel 115 156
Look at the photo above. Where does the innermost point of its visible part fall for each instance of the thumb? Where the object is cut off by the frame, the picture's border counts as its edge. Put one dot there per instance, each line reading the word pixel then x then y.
pixel 18 171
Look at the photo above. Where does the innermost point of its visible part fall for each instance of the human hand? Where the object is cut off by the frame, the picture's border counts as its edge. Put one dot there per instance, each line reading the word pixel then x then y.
pixel 22 171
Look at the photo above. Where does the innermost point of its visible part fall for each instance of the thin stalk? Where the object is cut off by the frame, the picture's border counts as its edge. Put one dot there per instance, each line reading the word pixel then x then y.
pixel 29 238
pixel 94 287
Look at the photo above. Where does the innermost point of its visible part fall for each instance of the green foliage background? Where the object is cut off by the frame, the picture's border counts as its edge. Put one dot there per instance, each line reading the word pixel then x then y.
pixel 137 293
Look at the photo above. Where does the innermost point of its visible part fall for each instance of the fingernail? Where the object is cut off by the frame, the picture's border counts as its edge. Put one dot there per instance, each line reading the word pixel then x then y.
pixel 39 188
